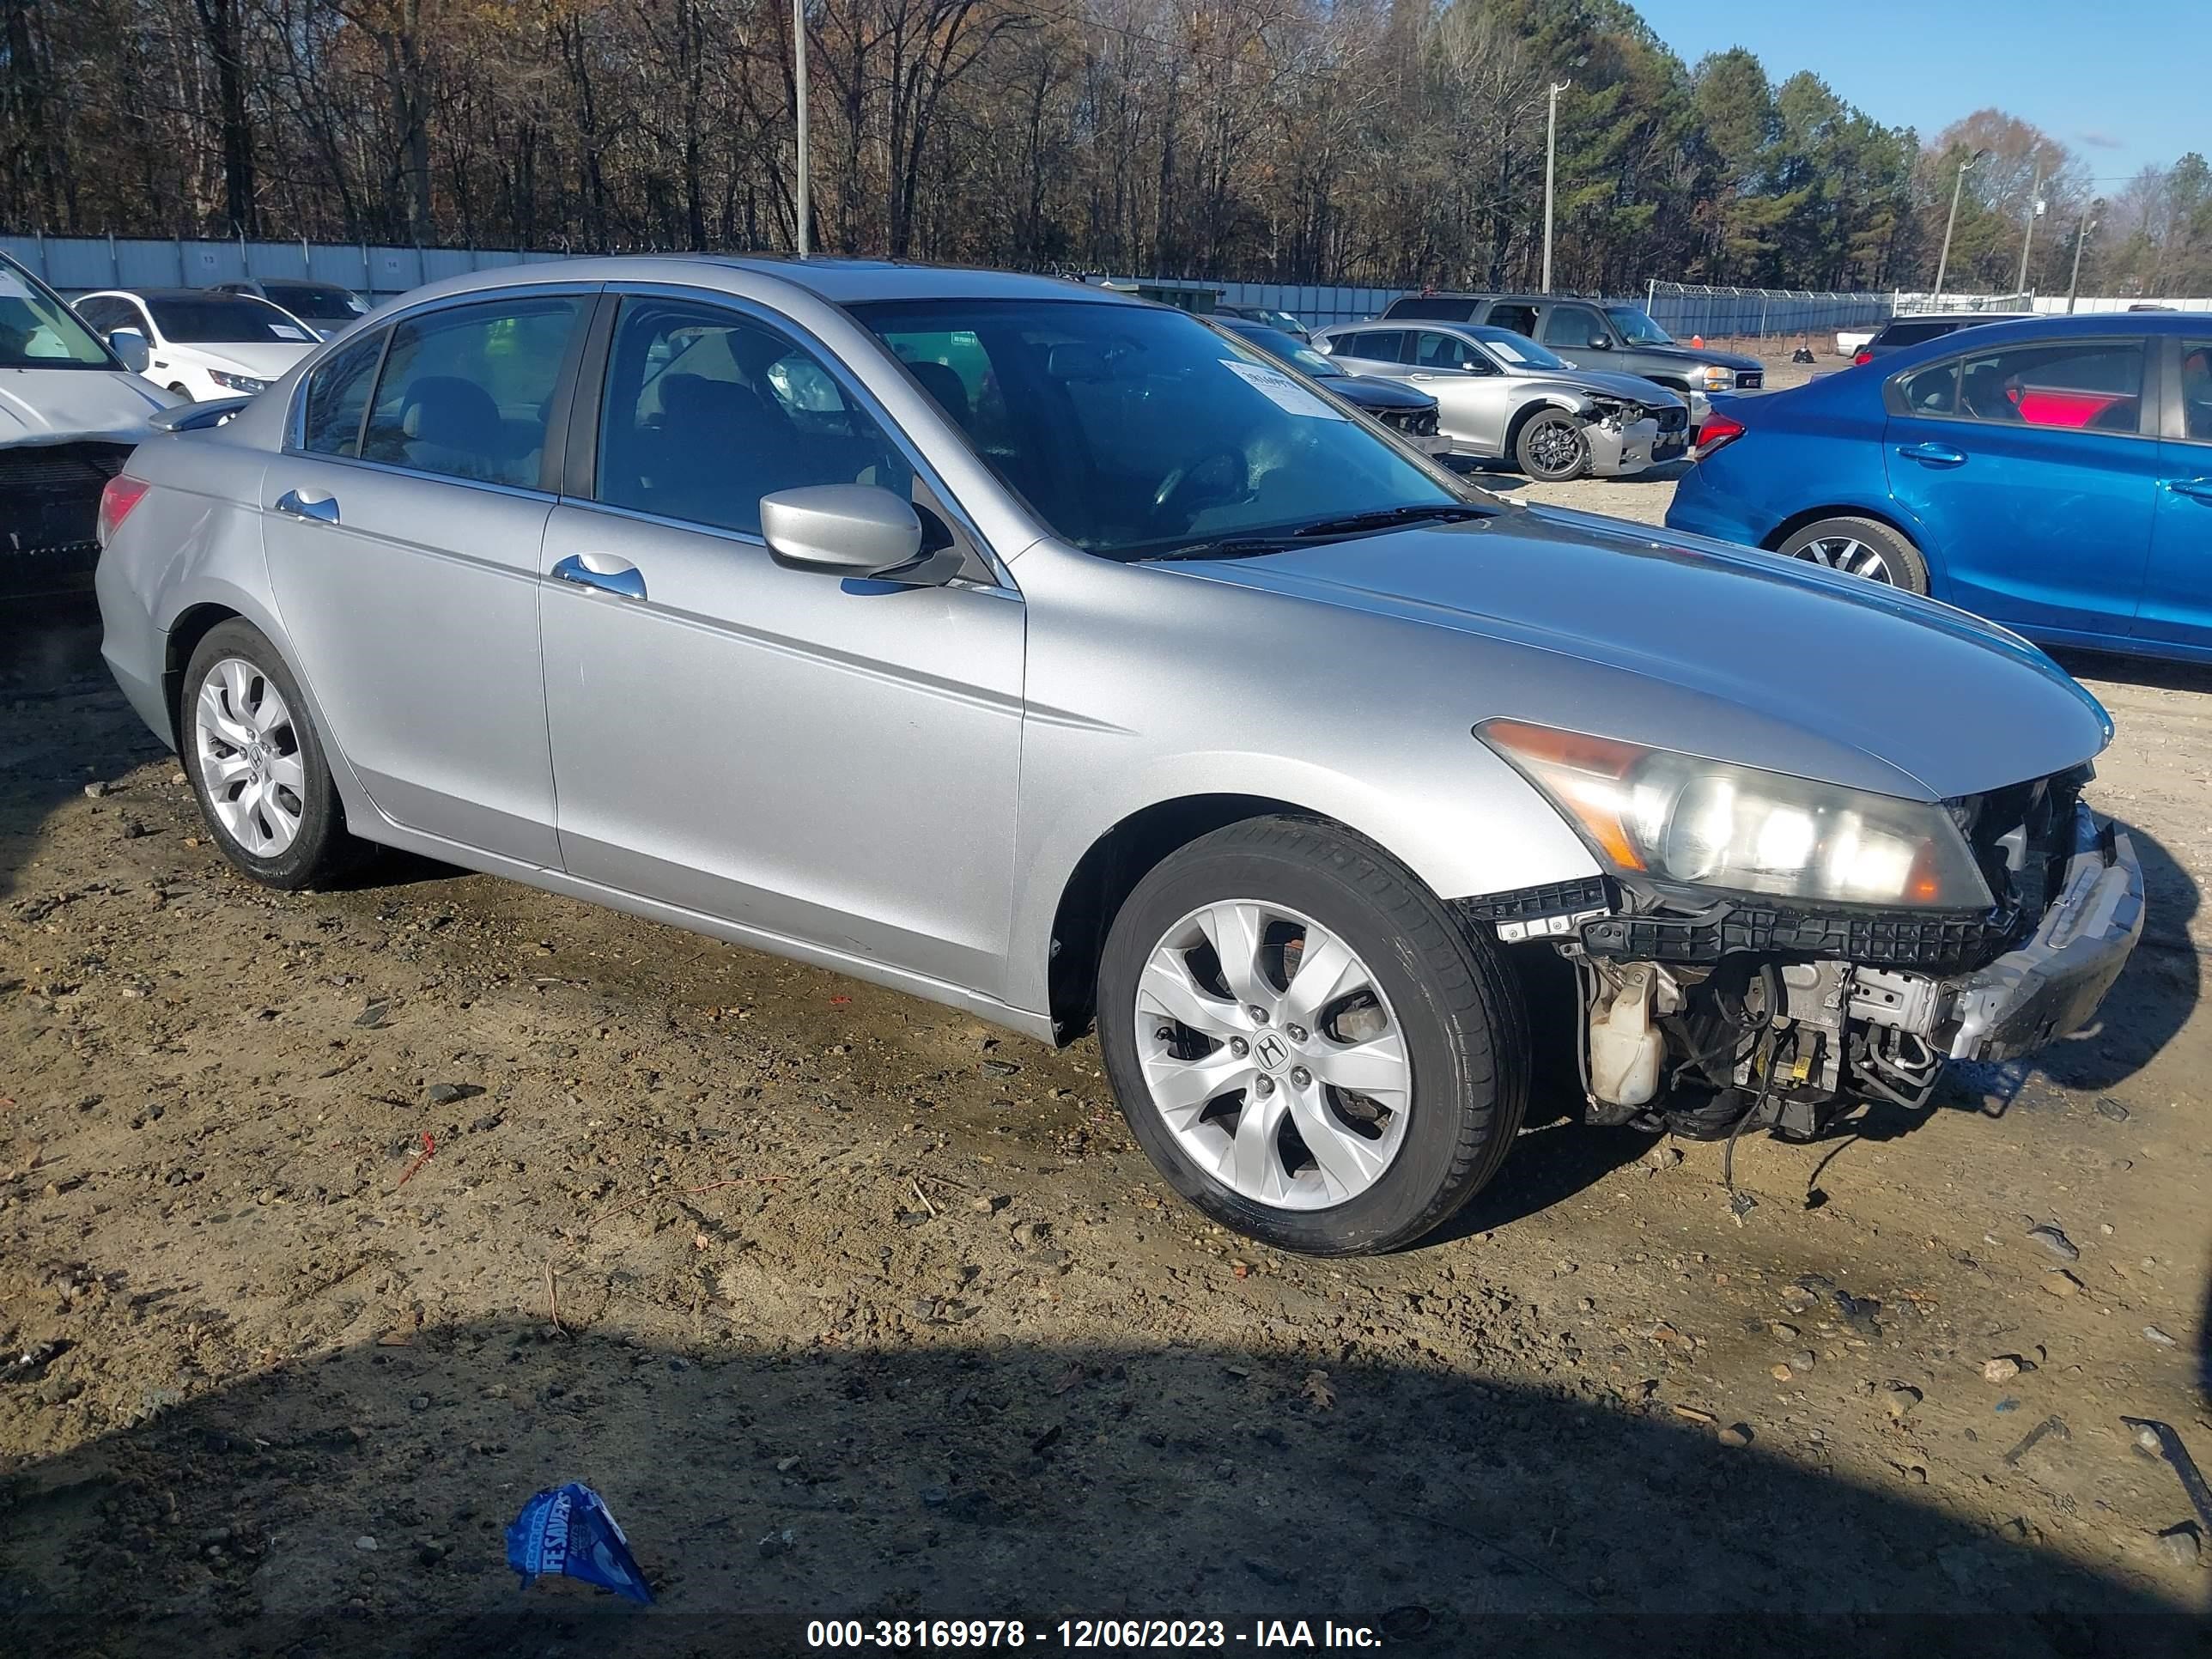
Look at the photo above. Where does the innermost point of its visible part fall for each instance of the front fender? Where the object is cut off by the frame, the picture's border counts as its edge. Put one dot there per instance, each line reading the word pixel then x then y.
pixel 1470 825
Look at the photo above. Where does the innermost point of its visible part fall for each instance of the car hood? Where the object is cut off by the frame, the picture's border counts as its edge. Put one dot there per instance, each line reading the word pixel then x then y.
pixel 262 361
pixel 1633 388
pixel 1370 391
pixel 1682 353
pixel 1683 643
pixel 70 405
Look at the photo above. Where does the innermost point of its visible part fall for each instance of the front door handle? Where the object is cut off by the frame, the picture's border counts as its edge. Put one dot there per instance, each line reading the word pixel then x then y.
pixel 1934 454
pixel 323 509
pixel 1423 378
pixel 2197 490
pixel 603 571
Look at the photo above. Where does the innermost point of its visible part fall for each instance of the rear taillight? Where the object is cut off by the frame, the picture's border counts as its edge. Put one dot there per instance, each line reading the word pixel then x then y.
pixel 117 498
pixel 1718 429
pixel 1865 355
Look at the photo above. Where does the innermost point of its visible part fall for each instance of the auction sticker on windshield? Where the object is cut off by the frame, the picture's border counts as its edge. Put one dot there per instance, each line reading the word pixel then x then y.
pixel 1281 390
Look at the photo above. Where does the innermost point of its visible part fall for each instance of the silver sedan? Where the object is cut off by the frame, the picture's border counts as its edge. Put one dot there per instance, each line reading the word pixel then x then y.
pixel 1049 655
pixel 1501 397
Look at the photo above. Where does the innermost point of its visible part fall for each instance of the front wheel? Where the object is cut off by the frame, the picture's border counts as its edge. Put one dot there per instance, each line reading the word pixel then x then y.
pixel 1308 1043
pixel 1861 547
pixel 1551 447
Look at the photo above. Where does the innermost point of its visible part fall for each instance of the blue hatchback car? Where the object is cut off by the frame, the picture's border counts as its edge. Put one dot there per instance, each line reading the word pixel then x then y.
pixel 2054 475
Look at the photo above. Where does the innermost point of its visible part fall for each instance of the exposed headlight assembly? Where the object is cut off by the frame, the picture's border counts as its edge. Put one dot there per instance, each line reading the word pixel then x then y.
pixel 1682 820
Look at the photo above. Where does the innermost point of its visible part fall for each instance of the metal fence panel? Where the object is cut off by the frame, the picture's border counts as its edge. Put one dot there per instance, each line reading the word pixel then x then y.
pixel 1688 310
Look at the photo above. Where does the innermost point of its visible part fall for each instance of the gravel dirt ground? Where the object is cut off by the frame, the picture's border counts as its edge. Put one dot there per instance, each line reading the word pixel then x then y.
pixel 333 1225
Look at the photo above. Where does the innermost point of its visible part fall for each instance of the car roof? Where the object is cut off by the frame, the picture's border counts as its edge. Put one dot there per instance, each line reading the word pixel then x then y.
pixel 840 282
pixel 1956 316
pixel 168 294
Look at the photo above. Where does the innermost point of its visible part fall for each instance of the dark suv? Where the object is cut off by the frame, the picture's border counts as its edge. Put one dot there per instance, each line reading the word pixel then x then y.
pixel 1597 334
pixel 1902 331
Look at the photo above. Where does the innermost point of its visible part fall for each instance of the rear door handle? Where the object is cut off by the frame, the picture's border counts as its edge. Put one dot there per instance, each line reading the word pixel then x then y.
pixel 1423 378
pixel 1934 454
pixel 2197 490
pixel 323 509
pixel 603 571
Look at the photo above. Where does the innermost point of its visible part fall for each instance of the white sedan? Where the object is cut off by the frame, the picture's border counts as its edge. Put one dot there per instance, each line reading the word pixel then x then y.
pixel 197 342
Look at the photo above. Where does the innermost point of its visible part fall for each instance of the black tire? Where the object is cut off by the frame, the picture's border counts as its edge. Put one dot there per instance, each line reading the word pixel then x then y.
pixel 1551 447
pixel 321 849
pixel 1900 561
pixel 1457 1008
pixel 178 386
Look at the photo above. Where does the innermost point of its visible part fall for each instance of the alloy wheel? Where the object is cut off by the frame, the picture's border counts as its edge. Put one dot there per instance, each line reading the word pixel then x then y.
pixel 1851 555
pixel 249 758
pixel 1272 1055
pixel 1555 446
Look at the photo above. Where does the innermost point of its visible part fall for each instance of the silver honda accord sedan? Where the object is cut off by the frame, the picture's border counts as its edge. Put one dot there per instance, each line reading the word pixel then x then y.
pixel 1043 652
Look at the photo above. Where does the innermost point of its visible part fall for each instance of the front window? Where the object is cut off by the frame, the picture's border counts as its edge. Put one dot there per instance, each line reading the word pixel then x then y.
pixel 1136 432
pixel 37 331
pixel 225 320
pixel 1637 327
pixel 707 410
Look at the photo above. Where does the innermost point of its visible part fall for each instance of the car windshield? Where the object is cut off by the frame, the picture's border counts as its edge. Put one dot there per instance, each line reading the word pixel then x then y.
pixel 1517 352
pixel 1287 349
pixel 1637 327
pixel 226 319
pixel 37 331
pixel 318 302
pixel 1137 432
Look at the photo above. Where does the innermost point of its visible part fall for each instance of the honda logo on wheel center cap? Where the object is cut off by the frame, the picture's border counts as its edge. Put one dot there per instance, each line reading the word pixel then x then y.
pixel 1270 1051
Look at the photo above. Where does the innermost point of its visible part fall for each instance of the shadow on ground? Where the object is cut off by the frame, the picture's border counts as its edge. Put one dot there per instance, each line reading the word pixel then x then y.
pixel 50 662
pixel 356 1503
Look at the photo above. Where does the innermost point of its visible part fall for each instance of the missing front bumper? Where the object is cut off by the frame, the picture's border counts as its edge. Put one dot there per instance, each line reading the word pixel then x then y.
pixel 2052 984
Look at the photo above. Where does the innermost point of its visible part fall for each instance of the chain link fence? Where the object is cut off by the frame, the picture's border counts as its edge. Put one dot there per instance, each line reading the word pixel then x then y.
pixel 1810 316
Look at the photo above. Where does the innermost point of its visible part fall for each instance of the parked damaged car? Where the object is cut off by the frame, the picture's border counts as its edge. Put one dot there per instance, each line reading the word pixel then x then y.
pixel 70 411
pixel 1112 676
pixel 1405 410
pixel 1501 397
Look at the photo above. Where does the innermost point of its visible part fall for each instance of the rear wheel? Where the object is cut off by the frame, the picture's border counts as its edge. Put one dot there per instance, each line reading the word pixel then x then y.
pixel 1861 547
pixel 1551 447
pixel 256 763
pixel 1309 1045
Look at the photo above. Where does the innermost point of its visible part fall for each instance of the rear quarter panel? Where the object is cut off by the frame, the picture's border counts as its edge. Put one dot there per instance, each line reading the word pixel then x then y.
pixel 1810 450
pixel 194 539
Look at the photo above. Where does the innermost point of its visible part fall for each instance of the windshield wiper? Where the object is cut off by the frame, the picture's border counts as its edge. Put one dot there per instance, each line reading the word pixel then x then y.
pixel 1384 518
pixel 1228 547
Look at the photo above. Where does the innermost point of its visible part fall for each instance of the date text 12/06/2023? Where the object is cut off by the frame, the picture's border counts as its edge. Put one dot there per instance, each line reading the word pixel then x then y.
pixel 1083 1635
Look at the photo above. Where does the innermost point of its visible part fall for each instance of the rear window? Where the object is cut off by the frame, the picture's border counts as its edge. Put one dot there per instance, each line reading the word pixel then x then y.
pixel 1907 334
pixel 1432 307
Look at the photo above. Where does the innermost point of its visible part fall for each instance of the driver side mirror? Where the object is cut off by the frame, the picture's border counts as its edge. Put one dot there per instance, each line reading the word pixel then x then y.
pixel 849 530
pixel 1599 342
pixel 130 344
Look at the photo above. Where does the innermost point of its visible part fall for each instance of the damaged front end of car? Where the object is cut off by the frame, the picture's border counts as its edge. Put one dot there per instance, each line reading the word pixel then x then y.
pixel 1765 951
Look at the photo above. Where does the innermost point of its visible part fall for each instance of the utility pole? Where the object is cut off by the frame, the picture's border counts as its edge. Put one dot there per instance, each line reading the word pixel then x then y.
pixel 799 91
pixel 2081 235
pixel 1943 265
pixel 2028 241
pixel 1551 163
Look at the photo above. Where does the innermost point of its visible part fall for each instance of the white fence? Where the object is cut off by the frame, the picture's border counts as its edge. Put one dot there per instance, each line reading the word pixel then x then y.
pixel 78 264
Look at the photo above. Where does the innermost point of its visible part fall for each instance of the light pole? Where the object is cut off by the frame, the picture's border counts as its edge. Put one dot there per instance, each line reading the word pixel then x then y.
pixel 1943 265
pixel 799 91
pixel 1551 159
pixel 2081 235
pixel 2028 241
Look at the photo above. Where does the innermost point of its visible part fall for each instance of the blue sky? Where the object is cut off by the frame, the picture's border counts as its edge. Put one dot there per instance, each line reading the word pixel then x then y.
pixel 2122 85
